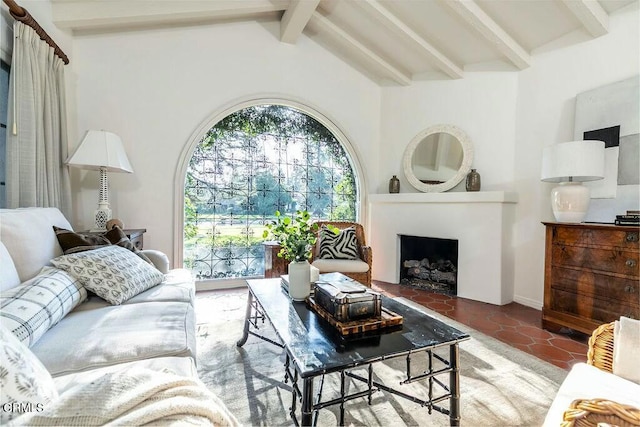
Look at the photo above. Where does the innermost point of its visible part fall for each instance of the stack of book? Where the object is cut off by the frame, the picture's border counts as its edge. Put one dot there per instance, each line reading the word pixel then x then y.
pixel 630 218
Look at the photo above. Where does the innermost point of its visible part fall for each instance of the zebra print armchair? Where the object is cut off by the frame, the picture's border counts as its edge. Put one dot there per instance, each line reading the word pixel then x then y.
pixel 358 269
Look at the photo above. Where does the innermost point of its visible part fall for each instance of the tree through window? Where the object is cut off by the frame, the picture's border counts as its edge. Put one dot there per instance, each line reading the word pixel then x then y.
pixel 254 162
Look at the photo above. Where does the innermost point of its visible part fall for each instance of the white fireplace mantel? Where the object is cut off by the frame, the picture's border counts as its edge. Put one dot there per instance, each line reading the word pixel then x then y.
pixel 453 197
pixel 480 221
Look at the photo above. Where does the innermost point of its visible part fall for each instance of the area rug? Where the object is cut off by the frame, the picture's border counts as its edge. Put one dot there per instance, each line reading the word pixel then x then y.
pixel 500 385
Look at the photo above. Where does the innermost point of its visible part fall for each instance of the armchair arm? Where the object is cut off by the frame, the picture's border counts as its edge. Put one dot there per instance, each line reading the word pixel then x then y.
pixel 367 254
pixel 159 259
pixel 600 353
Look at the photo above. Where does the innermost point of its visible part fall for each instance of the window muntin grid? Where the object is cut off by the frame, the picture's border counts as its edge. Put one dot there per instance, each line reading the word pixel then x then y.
pixel 237 178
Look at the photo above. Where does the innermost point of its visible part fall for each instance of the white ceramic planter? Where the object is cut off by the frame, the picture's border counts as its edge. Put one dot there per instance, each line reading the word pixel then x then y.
pixel 299 283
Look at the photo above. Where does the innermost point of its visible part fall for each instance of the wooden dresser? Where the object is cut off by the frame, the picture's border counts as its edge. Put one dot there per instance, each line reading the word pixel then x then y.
pixel 591 275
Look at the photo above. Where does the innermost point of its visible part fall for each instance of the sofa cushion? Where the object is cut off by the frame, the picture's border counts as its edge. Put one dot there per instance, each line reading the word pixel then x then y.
pixel 118 334
pixel 184 366
pixel 24 379
pixel 26 233
pixel 8 274
pixel 343 245
pixel 72 242
pixel 28 311
pixel 588 382
pixel 341 265
pixel 113 273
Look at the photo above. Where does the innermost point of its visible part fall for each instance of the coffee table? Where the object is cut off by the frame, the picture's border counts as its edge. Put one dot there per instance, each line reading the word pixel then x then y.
pixel 313 348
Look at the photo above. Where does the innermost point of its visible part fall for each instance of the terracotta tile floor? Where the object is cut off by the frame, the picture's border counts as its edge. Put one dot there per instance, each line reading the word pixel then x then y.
pixel 514 324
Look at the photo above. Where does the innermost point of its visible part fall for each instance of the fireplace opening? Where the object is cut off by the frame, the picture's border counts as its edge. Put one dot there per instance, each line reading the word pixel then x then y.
pixel 429 263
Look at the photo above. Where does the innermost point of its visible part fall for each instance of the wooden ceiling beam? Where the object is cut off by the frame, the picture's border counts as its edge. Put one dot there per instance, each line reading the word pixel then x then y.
pixel 591 15
pixel 354 46
pixel 480 21
pixel 295 18
pixel 393 23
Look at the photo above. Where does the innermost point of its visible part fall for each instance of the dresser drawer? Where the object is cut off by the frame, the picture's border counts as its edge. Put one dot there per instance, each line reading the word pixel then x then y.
pixel 590 283
pixel 602 311
pixel 623 239
pixel 613 260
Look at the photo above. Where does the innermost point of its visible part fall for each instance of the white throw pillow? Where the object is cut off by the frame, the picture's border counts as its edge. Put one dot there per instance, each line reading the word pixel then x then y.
pixel 30 310
pixel 626 349
pixel 26 385
pixel 113 273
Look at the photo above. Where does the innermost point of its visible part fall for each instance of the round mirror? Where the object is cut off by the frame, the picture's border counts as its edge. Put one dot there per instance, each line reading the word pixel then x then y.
pixel 438 158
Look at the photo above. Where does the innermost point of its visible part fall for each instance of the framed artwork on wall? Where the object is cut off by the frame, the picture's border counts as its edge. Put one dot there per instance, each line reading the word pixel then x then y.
pixel 611 113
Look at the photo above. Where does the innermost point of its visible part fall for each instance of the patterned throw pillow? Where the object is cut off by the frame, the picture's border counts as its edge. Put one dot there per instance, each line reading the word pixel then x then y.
pixel 113 273
pixel 30 310
pixel 344 245
pixel 72 242
pixel 26 384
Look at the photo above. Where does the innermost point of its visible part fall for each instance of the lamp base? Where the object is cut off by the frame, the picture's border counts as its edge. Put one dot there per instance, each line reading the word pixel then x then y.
pixel 101 216
pixel 570 202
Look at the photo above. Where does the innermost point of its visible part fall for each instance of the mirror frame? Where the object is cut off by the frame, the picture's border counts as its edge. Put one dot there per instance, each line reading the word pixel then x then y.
pixel 465 167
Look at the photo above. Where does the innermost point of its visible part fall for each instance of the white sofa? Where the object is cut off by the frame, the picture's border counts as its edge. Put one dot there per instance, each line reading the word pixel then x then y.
pixel 155 329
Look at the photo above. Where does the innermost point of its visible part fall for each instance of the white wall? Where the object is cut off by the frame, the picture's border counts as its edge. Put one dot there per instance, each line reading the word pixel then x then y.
pixel 481 104
pixel 545 116
pixel 155 88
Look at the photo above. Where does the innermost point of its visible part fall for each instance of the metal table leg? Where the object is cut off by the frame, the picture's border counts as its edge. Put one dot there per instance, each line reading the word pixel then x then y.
pixel 454 385
pixel 307 402
pixel 245 333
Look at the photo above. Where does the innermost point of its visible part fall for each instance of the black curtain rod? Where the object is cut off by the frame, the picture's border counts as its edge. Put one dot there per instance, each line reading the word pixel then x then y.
pixel 21 14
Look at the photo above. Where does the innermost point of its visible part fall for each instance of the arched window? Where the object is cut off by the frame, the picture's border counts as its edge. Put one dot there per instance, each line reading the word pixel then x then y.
pixel 252 163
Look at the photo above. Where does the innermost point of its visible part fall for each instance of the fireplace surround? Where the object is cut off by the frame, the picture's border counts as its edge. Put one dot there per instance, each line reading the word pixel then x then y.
pixel 481 222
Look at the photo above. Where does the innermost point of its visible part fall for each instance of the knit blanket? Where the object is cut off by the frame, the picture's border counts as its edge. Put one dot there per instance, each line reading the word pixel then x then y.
pixel 134 397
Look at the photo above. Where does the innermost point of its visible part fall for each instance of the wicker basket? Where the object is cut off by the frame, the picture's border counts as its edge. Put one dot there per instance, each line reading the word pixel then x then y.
pixel 600 352
pixel 594 412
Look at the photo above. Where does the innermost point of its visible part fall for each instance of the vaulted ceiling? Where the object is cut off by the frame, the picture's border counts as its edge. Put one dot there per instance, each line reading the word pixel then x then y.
pixel 391 41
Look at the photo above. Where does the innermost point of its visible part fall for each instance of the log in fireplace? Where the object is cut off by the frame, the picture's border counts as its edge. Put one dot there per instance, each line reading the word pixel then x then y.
pixel 429 263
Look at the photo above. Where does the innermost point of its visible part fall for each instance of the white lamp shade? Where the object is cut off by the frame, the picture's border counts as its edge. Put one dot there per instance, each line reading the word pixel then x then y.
pixel 573 161
pixel 101 149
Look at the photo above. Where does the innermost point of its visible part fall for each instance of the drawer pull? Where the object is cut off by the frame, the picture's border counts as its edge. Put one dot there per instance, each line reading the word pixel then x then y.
pixel 631 263
pixel 629 289
pixel 632 237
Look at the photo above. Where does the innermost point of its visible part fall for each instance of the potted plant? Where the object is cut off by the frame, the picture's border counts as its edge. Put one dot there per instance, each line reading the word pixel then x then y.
pixel 296 237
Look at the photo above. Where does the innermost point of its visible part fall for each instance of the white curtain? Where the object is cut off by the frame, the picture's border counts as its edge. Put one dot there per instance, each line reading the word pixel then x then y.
pixel 37 126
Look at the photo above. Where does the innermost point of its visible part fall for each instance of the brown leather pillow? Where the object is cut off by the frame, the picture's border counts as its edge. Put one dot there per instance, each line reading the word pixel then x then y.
pixel 72 242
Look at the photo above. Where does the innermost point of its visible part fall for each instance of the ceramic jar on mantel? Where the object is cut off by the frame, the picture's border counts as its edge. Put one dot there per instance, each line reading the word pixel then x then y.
pixel 394 185
pixel 299 280
pixel 473 181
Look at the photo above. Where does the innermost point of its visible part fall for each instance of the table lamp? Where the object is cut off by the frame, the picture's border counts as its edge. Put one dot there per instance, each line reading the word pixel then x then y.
pixel 570 164
pixel 103 151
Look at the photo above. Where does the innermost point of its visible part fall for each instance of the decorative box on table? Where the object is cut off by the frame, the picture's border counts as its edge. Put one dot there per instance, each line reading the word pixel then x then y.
pixel 345 299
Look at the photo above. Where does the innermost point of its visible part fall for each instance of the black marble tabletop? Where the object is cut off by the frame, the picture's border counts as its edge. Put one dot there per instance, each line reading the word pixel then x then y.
pixel 316 347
